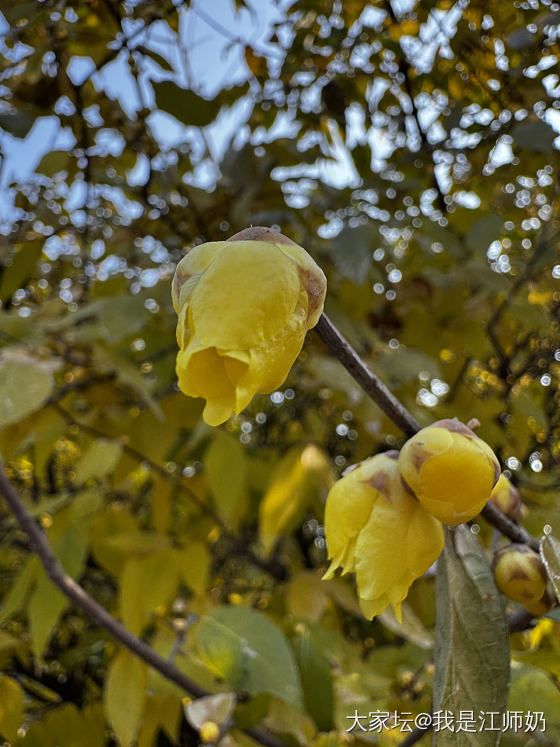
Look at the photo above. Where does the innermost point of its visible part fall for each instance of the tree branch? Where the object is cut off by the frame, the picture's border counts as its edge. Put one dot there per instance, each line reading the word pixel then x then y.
pixel 99 614
pixel 369 382
pixel 508 527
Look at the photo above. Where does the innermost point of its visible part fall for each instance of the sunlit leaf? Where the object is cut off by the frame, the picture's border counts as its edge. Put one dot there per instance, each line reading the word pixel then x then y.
pixel 11 707
pixel 125 695
pixel 25 384
pixel 99 460
pixel 226 470
pixel 243 647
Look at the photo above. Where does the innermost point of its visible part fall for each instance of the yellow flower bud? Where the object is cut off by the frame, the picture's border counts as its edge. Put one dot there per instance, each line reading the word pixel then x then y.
pixel 377 530
pixel 505 496
pixel 545 603
pixel 450 470
pixel 521 576
pixel 209 731
pixel 244 306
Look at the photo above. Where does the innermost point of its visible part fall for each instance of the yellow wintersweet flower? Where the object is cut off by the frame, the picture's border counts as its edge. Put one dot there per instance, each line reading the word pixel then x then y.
pixel 244 306
pixel 450 470
pixel 377 530
pixel 521 576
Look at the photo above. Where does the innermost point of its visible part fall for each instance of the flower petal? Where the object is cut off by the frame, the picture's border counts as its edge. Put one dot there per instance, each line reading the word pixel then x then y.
pixel 247 295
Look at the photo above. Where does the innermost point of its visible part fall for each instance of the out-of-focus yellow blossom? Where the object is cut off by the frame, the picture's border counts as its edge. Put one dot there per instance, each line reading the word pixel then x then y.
pixel 377 530
pixel 209 731
pixel 521 576
pixel 505 496
pixel 450 470
pixel 244 306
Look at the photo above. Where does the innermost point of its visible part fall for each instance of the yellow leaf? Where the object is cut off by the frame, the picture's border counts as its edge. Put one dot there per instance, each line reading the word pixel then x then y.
pixel 225 465
pixel 46 605
pixel 194 562
pixel 161 504
pixel 11 707
pixel 299 477
pixel 307 596
pixel 99 460
pixel 125 695
pixel 161 711
pixel 147 582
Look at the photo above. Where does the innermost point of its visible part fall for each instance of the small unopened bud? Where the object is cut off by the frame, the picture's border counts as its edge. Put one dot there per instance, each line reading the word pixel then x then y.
pixel 548 601
pixel 209 731
pixel 450 470
pixel 505 496
pixel 520 575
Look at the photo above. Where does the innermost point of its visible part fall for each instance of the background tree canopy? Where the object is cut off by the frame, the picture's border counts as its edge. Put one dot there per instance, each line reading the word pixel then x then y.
pixel 411 148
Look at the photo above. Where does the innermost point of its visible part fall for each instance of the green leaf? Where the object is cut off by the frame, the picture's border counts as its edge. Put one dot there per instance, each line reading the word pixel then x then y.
pixel 534 691
pixel 550 555
pixel 25 383
pixel 47 602
pixel 186 106
pixel 11 708
pixel 246 649
pixel 17 596
pixel 23 263
pixel 125 695
pixel 45 607
pixel 471 654
pixel 316 680
pixel 225 465
pixel 99 460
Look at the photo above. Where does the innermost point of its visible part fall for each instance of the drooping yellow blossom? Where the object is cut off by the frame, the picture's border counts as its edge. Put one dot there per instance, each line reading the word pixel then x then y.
pixel 377 530
pixel 244 306
pixel 521 576
pixel 450 470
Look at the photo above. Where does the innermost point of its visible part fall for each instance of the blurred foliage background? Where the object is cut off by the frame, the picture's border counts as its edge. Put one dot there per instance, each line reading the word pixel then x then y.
pixel 411 148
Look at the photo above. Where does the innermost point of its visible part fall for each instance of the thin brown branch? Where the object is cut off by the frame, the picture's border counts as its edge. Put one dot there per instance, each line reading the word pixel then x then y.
pixel 508 527
pixel 370 383
pixel 78 385
pixel 76 594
